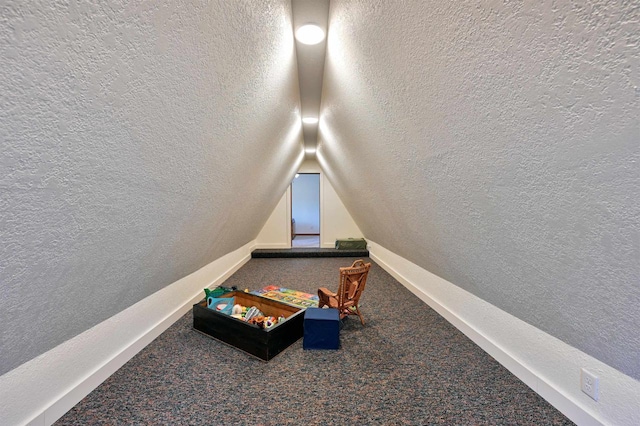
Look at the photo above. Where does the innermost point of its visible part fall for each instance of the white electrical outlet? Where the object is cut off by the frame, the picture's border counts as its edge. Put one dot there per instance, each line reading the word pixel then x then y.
pixel 589 383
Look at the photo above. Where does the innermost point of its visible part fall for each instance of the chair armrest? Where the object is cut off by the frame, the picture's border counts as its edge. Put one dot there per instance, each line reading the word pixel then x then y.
pixel 326 292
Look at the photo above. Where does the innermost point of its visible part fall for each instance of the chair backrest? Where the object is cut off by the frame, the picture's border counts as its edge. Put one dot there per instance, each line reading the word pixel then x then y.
pixel 353 280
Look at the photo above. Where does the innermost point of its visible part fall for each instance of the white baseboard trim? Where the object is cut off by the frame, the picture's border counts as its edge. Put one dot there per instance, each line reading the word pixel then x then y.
pixel 273 246
pixel 42 390
pixel 547 365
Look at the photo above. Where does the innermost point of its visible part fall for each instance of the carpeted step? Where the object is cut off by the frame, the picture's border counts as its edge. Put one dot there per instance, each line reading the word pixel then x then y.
pixel 307 252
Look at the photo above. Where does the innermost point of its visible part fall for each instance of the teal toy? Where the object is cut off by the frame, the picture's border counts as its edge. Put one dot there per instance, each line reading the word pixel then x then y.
pixel 216 292
pixel 222 305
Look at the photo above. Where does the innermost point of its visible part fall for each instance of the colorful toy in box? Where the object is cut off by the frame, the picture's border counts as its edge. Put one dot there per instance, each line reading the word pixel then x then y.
pixel 252 312
pixel 219 291
pixel 226 305
pixel 216 292
pixel 262 321
pixel 223 305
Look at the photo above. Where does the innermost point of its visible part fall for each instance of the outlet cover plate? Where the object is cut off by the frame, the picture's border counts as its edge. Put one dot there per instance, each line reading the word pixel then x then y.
pixel 589 383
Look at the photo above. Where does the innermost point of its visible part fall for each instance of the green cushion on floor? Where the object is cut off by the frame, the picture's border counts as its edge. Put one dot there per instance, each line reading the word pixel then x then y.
pixel 351 244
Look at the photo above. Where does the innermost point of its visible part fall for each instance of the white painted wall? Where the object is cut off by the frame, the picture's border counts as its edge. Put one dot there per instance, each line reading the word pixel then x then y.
pixel 546 364
pixel 497 146
pixel 276 232
pixel 335 220
pixel 305 203
pixel 40 391
pixel 140 142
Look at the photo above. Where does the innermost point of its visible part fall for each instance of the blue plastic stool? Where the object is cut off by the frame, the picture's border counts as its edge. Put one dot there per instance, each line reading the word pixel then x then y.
pixel 321 329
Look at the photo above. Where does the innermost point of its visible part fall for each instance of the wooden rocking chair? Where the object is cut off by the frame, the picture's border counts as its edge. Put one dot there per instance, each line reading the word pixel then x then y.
pixel 352 282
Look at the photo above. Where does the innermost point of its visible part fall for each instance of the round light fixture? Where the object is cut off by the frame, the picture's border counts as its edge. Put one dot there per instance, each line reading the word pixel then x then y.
pixel 309 120
pixel 310 34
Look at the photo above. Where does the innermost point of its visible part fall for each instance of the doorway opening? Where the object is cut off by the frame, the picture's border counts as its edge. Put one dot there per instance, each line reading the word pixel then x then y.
pixel 305 210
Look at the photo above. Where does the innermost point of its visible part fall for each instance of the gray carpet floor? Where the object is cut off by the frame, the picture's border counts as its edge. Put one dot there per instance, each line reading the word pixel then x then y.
pixel 406 366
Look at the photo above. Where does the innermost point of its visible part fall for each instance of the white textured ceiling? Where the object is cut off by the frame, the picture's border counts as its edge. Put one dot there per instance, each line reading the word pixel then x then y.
pixel 310 60
pixel 497 145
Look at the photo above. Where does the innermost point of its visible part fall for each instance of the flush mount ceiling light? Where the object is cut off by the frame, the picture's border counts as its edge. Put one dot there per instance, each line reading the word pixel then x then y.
pixel 309 34
pixel 309 120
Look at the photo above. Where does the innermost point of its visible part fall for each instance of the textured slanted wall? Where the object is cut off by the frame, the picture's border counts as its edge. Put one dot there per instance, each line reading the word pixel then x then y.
pixel 498 146
pixel 139 142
